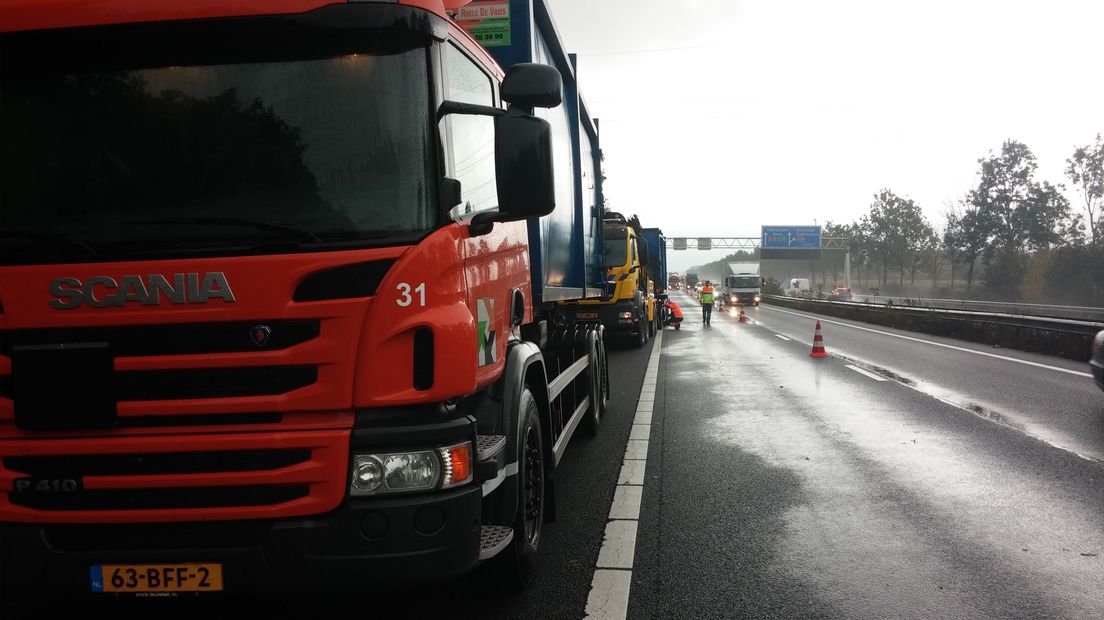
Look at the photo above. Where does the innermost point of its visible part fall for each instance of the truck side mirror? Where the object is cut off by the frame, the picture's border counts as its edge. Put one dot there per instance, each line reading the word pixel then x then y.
pixel 523 166
pixel 523 142
pixel 531 85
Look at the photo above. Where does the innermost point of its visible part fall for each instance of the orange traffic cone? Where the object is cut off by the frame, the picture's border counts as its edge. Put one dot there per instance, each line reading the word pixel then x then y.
pixel 818 344
pixel 743 315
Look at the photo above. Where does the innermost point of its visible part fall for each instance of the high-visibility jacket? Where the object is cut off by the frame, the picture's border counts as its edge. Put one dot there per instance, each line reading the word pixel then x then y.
pixel 676 311
pixel 706 295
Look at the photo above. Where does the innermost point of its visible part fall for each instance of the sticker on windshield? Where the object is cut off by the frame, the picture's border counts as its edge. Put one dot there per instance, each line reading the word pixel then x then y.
pixel 488 352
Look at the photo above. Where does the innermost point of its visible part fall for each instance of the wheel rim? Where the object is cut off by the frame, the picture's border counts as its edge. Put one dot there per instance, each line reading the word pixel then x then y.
pixel 534 486
pixel 596 387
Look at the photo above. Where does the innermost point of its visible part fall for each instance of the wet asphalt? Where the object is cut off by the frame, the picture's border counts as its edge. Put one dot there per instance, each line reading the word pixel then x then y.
pixel 1059 407
pixel 781 486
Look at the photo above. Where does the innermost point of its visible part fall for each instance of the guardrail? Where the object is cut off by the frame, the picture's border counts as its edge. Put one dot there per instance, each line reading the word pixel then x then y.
pixel 1083 313
pixel 1063 337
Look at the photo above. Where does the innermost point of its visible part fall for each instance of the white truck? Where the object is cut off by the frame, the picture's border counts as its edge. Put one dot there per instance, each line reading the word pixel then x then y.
pixel 742 285
pixel 799 287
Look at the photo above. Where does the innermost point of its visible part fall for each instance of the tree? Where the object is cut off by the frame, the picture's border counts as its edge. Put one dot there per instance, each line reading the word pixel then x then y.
pixel 1021 213
pixel 1086 170
pixel 975 231
pixel 898 233
pixel 953 239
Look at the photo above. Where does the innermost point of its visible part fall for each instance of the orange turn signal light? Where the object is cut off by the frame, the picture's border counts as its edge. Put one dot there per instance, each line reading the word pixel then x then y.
pixel 457 462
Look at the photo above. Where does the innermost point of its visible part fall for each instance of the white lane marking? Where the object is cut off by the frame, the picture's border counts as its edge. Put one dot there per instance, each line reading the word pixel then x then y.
pixel 782 337
pixel 632 472
pixel 609 588
pixel 867 373
pixel 939 344
pixel 626 503
pixel 609 594
pixel 637 450
pixel 620 544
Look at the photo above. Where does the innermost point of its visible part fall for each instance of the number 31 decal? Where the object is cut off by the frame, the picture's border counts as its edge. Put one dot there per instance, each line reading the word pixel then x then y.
pixel 405 298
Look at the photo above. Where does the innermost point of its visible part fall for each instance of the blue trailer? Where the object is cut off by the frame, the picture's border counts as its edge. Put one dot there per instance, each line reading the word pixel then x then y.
pixel 565 246
pixel 657 259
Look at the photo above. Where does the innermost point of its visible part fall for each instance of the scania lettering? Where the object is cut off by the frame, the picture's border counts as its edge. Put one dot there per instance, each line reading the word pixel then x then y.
pixel 185 288
pixel 286 294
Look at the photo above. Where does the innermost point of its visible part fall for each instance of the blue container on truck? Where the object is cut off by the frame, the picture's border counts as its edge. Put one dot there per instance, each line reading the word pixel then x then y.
pixel 657 259
pixel 566 246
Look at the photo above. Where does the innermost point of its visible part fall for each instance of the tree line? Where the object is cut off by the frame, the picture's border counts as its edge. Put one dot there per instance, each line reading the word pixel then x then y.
pixel 1011 237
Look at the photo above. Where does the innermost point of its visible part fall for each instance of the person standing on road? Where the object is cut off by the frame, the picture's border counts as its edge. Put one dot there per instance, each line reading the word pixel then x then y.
pixel 707 297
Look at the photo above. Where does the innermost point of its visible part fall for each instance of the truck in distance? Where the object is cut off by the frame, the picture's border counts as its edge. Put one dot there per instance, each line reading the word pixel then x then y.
pixel 627 309
pixel 742 286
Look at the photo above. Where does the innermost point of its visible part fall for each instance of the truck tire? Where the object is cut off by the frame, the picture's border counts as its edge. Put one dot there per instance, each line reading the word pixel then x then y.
pixel 641 337
pixel 597 383
pixel 515 565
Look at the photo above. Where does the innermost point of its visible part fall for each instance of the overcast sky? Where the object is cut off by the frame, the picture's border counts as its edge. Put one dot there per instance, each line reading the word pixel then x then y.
pixel 720 116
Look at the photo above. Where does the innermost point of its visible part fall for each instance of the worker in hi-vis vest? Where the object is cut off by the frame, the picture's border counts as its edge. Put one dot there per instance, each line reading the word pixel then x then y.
pixel 707 297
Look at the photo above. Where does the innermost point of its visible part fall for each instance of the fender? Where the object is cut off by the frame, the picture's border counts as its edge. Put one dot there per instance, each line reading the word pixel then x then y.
pixel 520 357
pixel 501 503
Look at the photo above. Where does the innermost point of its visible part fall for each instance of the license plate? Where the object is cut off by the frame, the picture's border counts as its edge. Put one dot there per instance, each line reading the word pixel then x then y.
pixel 156 577
pixel 587 315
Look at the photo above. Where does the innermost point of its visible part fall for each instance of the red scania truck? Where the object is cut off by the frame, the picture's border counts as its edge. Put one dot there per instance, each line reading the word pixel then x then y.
pixel 283 289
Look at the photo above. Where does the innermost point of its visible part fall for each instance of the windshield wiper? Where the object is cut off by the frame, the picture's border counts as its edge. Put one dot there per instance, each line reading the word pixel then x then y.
pixel 45 237
pixel 301 233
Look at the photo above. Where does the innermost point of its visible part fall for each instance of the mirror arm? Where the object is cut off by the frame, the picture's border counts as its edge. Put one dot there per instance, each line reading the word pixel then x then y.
pixel 468 109
pixel 483 223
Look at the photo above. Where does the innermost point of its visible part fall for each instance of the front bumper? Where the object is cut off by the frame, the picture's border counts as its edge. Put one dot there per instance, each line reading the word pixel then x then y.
pixel 379 542
pixel 609 315
pixel 365 544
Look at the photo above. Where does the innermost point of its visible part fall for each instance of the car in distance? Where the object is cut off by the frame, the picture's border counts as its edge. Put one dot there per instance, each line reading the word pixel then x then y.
pixel 840 294
pixel 1097 361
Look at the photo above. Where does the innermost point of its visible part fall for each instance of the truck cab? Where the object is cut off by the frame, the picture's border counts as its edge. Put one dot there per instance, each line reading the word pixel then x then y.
pixel 628 306
pixel 305 292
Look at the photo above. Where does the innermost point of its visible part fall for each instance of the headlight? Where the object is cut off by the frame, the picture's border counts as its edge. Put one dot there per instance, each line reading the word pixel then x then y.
pixel 406 472
pixel 417 471
pixel 733 297
pixel 757 299
pixel 367 474
pixel 626 315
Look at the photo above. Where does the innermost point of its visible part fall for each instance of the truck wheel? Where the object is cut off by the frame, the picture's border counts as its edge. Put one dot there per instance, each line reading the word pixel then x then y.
pixel 516 563
pixel 597 406
pixel 605 394
pixel 641 337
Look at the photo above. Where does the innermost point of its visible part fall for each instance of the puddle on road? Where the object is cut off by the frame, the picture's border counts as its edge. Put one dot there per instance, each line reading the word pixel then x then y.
pixel 899 515
pixel 1014 420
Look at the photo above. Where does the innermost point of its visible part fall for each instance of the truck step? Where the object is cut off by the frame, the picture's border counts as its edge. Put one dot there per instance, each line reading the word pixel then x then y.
pixel 493 539
pixel 488 446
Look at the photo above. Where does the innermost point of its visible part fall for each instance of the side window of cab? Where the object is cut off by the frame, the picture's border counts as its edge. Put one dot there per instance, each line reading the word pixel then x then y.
pixel 470 152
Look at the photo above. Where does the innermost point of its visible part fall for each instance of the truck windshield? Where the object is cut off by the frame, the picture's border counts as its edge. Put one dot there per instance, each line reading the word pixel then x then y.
pixel 205 158
pixel 743 282
pixel 616 250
